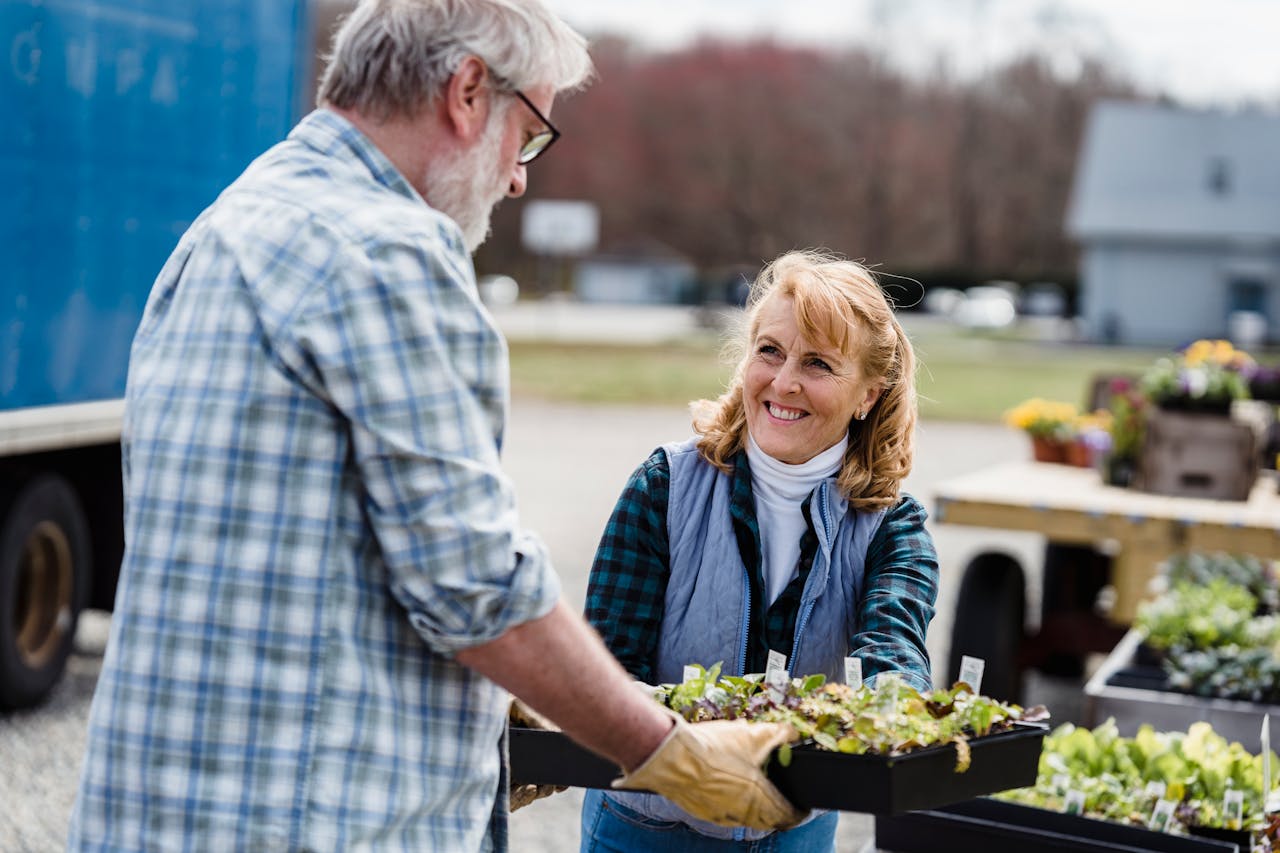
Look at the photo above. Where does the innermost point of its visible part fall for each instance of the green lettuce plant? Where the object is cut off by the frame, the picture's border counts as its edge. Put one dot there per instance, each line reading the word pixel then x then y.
pixel 1192 615
pixel 890 719
pixel 1196 768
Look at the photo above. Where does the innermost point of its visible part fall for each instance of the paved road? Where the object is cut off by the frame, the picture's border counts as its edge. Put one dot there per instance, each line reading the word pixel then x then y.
pixel 568 463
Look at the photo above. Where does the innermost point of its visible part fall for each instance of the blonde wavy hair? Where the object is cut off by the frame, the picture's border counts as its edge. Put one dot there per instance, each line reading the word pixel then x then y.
pixel 838 303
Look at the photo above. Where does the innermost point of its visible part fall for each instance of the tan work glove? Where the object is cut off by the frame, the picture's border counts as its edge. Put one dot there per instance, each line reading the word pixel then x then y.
pixel 521 714
pixel 714 772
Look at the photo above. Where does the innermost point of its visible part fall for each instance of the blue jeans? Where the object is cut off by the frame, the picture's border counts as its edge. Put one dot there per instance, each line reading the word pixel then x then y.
pixel 610 827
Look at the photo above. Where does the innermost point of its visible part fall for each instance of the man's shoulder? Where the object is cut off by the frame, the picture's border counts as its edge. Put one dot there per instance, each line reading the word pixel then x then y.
pixel 297 185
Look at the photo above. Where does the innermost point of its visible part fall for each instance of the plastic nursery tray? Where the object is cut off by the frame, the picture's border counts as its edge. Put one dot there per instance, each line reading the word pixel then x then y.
pixel 993 826
pixel 815 778
pixel 1126 690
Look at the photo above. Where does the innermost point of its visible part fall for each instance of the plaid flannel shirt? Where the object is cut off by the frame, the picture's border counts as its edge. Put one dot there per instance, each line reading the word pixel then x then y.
pixel 627 589
pixel 316 521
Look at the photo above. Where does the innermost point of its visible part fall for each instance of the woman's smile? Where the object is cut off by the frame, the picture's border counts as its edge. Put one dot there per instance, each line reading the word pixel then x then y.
pixel 799 396
pixel 782 413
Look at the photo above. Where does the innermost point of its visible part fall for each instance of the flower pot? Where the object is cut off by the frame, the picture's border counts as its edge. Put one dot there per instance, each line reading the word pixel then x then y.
pixel 1077 453
pixel 1119 471
pixel 1044 449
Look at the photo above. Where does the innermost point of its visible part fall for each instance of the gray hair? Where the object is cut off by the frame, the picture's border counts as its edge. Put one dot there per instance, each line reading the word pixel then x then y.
pixel 394 57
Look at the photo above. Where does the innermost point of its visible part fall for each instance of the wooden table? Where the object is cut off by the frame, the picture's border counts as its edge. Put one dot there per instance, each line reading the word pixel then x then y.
pixel 1072 505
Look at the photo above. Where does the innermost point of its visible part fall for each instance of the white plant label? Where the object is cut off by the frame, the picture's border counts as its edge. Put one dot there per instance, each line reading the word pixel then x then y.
pixel 1233 808
pixel 1061 782
pixel 1266 761
pixel 1161 815
pixel 853 672
pixel 971 672
pixel 690 673
pixel 775 675
pixel 1074 803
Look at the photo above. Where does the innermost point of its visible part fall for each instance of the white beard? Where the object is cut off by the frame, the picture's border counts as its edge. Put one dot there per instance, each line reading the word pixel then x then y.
pixel 465 186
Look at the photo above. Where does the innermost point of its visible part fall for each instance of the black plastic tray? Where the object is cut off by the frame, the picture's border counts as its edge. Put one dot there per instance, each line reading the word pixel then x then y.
pixel 1140 677
pixel 993 826
pixel 819 779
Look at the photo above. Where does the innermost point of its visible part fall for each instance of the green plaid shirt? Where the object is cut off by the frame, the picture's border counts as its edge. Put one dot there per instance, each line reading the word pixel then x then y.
pixel 627 589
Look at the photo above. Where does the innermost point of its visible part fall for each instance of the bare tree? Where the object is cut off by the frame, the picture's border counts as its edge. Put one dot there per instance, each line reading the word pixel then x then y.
pixel 729 153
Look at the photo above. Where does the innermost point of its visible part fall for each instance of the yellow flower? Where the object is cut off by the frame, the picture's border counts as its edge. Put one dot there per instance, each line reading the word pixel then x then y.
pixel 1096 420
pixel 1216 352
pixel 1040 417
pixel 1209 373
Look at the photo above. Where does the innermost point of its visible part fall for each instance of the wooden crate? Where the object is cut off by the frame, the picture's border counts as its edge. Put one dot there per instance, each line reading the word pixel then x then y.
pixel 1198 455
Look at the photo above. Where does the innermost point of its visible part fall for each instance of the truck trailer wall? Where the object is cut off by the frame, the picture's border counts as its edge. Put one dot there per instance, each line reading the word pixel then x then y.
pixel 124 119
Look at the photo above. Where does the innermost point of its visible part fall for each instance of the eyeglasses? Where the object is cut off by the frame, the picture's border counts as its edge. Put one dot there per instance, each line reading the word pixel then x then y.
pixel 539 142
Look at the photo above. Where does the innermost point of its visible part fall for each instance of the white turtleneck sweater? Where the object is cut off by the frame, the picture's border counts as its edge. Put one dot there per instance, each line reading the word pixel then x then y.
pixel 779 491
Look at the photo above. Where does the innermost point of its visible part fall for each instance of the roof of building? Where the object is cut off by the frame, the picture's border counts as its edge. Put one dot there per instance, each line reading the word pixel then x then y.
pixel 1156 171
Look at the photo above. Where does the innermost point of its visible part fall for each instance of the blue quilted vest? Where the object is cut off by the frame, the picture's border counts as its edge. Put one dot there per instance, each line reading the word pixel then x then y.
pixel 708 601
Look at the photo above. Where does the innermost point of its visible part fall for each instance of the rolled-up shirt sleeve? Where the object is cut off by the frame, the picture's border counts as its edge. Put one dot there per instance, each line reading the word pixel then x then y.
pixel 413 364
pixel 900 591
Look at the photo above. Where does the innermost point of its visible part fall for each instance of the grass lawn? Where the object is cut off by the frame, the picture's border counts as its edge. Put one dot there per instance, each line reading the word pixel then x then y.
pixel 963 375
pixel 603 373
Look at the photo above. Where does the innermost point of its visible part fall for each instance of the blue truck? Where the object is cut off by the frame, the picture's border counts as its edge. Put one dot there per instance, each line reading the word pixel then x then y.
pixel 123 119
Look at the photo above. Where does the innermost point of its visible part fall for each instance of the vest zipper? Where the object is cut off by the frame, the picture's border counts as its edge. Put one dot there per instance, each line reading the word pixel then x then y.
pixel 795 645
pixel 804 615
pixel 746 620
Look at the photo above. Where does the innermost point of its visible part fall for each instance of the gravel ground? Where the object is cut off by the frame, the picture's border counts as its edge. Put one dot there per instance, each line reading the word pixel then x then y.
pixel 568 463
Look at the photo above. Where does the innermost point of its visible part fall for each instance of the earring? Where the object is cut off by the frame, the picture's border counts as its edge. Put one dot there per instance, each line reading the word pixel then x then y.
pixel 862 416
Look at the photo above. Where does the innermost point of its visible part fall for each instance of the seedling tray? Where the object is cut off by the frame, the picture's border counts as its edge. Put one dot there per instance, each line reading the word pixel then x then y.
pixel 993 826
pixel 820 779
pixel 1124 689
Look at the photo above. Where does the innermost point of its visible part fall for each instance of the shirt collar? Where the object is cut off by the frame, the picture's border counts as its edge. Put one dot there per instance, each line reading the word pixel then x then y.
pixel 331 134
pixel 778 481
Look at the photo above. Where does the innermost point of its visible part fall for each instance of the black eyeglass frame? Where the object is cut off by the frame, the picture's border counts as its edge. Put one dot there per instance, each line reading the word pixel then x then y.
pixel 551 134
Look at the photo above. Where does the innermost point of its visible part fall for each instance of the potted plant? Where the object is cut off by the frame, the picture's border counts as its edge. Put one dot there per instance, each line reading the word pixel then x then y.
pixel 1264 382
pixel 1092 442
pixel 1128 407
pixel 1049 423
pixel 1192 446
pixel 1205 377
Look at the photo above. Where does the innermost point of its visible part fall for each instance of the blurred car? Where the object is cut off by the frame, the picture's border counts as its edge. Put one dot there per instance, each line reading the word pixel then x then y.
pixel 1044 299
pixel 943 301
pixel 498 290
pixel 986 307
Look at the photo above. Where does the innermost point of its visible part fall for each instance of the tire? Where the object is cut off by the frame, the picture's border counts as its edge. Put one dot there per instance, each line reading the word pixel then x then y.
pixel 44 579
pixel 989 623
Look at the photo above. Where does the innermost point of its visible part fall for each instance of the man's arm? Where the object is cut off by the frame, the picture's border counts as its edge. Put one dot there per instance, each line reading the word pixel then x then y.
pixel 714 770
pixel 559 666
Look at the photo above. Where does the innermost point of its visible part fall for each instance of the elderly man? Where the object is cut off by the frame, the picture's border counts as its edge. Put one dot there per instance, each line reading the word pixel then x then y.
pixel 325 598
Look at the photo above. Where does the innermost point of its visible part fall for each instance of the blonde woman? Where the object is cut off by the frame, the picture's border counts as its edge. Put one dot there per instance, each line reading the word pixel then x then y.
pixel 780 526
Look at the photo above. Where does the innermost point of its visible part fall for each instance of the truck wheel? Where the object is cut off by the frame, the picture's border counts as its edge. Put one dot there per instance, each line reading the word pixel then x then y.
pixel 44 577
pixel 990 618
